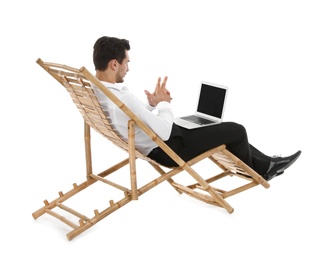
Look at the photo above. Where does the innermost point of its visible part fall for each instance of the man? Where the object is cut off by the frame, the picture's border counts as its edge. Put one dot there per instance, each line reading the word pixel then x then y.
pixel 111 60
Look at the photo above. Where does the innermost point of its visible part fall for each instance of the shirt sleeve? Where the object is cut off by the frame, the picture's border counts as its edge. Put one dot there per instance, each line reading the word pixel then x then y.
pixel 160 122
pixel 149 107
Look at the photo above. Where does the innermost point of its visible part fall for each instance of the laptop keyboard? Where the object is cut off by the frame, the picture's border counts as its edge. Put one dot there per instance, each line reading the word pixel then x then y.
pixel 197 120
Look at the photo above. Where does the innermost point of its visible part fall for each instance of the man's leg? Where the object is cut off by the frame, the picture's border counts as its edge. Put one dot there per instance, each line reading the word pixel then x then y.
pixel 233 135
pixel 260 161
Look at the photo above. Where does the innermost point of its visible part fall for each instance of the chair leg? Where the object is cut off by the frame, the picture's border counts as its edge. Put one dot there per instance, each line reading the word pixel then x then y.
pixel 230 166
pixel 163 173
pixel 87 137
pixel 132 159
pixel 85 222
pixel 217 197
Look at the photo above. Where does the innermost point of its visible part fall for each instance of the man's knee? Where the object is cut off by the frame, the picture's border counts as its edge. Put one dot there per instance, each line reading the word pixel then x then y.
pixel 236 129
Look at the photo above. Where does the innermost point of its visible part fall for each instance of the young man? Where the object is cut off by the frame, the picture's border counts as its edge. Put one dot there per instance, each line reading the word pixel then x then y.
pixel 111 60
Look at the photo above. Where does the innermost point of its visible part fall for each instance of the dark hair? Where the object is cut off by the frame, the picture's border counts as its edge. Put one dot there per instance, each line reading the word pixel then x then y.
pixel 109 48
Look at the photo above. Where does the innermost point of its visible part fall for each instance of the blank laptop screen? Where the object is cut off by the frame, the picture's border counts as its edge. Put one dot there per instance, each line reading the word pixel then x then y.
pixel 211 100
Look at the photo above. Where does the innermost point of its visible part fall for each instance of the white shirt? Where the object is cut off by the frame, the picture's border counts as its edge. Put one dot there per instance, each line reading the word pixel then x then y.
pixel 161 123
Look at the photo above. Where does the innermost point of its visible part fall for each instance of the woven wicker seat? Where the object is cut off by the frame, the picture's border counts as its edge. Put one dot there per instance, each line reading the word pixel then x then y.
pixel 78 84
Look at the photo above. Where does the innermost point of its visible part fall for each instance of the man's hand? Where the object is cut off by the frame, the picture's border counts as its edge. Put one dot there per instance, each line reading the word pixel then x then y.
pixel 160 93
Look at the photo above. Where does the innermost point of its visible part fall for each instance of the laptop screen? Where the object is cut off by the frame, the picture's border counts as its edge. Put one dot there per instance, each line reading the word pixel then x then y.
pixel 212 100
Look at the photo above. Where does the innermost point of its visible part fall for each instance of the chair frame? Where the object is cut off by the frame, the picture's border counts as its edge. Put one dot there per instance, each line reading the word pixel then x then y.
pixel 78 83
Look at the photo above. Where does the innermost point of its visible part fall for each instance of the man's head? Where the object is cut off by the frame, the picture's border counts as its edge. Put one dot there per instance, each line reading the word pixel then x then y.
pixel 111 57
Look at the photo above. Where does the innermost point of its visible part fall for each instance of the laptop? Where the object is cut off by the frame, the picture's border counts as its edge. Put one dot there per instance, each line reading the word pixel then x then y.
pixel 210 107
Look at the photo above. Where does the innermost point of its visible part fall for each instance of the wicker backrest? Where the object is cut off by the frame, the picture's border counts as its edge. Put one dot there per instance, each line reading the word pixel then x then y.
pixel 83 96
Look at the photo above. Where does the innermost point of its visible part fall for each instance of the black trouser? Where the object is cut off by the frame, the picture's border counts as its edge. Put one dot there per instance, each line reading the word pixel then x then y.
pixel 191 143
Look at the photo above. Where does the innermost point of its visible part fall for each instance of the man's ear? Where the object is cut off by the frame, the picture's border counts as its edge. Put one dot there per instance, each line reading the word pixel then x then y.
pixel 113 64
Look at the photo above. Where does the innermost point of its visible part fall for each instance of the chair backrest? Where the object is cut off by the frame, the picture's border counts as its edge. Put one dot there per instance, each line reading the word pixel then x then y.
pixel 82 94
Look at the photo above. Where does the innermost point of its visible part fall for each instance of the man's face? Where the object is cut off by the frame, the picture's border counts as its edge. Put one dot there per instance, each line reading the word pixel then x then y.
pixel 123 69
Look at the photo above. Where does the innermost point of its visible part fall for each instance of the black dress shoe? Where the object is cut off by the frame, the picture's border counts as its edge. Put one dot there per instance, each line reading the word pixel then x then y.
pixel 279 164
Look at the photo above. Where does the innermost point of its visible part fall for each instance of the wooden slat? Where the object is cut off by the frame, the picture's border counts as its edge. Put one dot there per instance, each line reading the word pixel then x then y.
pixel 72 211
pixel 113 184
pixel 61 218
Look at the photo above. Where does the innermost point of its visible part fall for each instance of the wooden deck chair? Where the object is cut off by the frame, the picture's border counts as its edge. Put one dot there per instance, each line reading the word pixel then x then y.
pixel 78 84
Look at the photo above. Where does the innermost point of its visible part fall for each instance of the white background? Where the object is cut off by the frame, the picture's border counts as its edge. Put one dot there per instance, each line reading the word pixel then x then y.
pixel 274 57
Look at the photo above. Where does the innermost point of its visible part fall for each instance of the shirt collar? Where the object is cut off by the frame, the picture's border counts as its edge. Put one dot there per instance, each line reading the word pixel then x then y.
pixel 115 86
